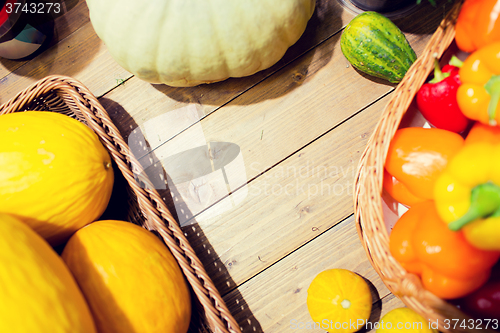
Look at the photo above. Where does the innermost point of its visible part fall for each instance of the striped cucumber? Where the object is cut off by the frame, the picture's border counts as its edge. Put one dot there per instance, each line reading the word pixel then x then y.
pixel 376 46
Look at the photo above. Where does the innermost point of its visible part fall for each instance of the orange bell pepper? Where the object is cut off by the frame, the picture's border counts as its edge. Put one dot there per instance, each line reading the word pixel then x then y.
pixel 478 96
pixel 447 264
pixel 416 156
pixel 478 24
pixel 398 191
pixel 483 133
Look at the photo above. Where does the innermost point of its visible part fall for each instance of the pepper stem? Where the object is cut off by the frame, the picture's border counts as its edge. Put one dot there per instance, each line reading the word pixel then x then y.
pixel 454 61
pixel 485 201
pixel 438 73
pixel 493 88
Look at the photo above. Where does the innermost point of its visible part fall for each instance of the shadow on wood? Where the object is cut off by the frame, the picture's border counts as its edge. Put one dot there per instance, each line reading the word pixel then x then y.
pixel 376 312
pixel 414 24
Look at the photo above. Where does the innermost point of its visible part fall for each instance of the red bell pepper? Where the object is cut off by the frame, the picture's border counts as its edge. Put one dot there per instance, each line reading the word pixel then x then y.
pixel 437 99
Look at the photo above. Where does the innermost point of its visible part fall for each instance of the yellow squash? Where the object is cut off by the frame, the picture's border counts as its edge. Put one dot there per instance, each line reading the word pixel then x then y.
pixel 404 320
pixel 37 292
pixel 339 300
pixel 55 174
pixel 129 278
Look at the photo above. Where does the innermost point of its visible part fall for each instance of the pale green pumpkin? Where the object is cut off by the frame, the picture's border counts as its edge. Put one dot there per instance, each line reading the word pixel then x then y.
pixel 189 42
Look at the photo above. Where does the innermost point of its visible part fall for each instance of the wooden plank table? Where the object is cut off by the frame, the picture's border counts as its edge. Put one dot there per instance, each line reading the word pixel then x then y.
pixel 293 136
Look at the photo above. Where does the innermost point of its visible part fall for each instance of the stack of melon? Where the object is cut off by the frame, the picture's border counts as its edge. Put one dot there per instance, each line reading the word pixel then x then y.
pixel 56 180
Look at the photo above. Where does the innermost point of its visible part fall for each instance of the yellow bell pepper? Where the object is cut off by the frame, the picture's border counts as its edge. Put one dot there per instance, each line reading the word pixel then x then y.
pixel 478 96
pixel 483 233
pixel 467 192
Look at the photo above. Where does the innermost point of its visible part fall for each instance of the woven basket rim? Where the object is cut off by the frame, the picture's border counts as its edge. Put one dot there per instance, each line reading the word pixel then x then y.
pixel 157 216
pixel 368 187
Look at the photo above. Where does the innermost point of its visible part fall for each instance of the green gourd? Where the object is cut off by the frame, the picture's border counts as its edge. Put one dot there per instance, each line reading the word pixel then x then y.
pixel 374 45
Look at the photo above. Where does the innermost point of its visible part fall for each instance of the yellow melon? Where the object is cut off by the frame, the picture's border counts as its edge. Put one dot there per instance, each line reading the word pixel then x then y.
pixel 37 291
pixel 129 278
pixel 339 300
pixel 55 174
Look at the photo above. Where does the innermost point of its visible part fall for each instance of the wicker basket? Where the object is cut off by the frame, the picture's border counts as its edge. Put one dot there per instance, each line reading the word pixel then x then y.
pixel 68 96
pixel 368 207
